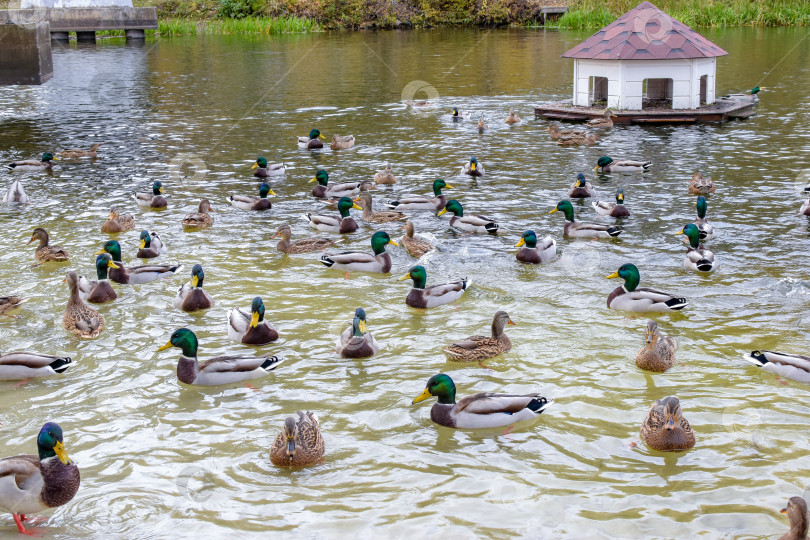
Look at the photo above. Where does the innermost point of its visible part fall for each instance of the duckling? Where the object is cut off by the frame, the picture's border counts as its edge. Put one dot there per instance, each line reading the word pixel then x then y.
pixel 513 118
pixel 46 252
pixel 251 328
pixel 701 185
pixel 531 253
pixel 607 165
pixel 300 443
pixel 343 224
pixel 16 194
pixel 155 199
pixel 485 410
pixel 385 176
pixel 312 142
pixel 303 245
pixel 474 224
pixel 421 202
pixel 658 352
pixel 117 223
pixel 74 153
pixel 201 219
pixel 602 122
pixel 577 229
pixel 792 366
pixel 342 142
pixel 796 510
pixel 472 168
pixel 360 261
pixel 629 297
pixel 383 216
pixel 576 140
pixel 137 274
pixel 10 303
pixel 805 209
pixel 32 165
pixel 665 429
pixel 436 295
pixel 581 188
pixel 698 258
pixel 80 319
pixel 252 202
pixel 416 247
pixel 556 133
pixel 477 348
pixel 617 209
pixel 356 341
pixel 706 229
pixel 191 296
pixel 482 126
pixel 218 370
pixel 100 291
pixel 150 246
pixel 262 170
pixel 31 484
pixel 18 366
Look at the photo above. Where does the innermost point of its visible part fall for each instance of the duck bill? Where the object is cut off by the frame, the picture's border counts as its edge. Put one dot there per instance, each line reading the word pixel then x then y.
pixel 510 322
pixel 363 327
pixel 254 319
pixel 421 397
pixel 354 205
pixel 111 264
pixel 613 275
pixel 167 346
pixel 61 453
pixel 783 511
pixel 314 179
pixel 392 243
pixel 99 252
pixel 442 212
pixel 677 233
pixel 142 244
pixel 161 190
pixel 670 425
pixel 272 193
pixel 406 276
pixel 321 137
pixel 56 158
pixel 620 198
pixel 555 209
pixel 32 239
pixel 472 166
pixel 111 216
pixel 448 186
pixel 521 242
pixel 291 448
pixel 596 168
pixel 255 166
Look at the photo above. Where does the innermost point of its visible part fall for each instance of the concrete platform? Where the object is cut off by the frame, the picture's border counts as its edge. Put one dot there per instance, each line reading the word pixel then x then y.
pixel 87 19
pixel 26 57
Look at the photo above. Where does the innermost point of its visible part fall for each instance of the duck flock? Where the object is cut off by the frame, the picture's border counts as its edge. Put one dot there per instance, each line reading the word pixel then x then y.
pixel 30 484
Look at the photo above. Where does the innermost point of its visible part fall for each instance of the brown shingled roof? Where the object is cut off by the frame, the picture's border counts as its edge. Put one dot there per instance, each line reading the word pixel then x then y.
pixel 645 33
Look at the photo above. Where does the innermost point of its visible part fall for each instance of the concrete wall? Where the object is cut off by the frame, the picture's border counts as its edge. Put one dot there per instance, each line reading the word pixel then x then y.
pixel 26 53
pixel 60 4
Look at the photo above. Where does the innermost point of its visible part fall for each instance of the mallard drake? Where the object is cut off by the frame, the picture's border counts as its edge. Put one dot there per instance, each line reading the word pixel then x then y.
pixel 343 224
pixel 117 223
pixel 617 209
pixel 577 229
pixel 191 296
pixel 252 202
pixel 80 319
pixel 304 245
pixel 300 443
pixel 530 252
pixel 697 257
pixel 151 246
pixel 477 348
pixel 342 142
pixel 629 297
pixel 805 209
pixel 556 133
pixel 381 216
pixel 219 370
pixel 581 188
pixel 485 410
pixel 513 118
pixel 658 352
pixel 607 165
pixel 73 153
pixel 360 261
pixel 261 169
pixel 16 194
pixel 153 199
pixel 604 121
pixel 701 185
pixel 18 366
pixel 385 176
pixel 482 126
pixel 98 291
pixel 46 163
pixel 474 224
pixel 46 252
pixel 472 168
pixel 416 247
pixel 458 115
pixel 792 366
pixel 136 274
pixel 10 303
pixel 364 186
pixel 313 141
pixel 577 140
pixel 796 510
pixel 421 202
pixel 201 219
pixel 31 484
pixel 706 229
pixel 251 328
pixel 346 189
pixel 356 341
pixel 436 295
pixel 665 429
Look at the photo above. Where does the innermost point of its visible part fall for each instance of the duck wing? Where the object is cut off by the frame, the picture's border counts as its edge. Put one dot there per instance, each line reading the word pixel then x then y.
pixel 29 359
pixel 490 403
pixel 21 468
pixel 233 363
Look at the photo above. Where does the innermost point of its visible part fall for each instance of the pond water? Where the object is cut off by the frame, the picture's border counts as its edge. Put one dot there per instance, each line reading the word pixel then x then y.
pixel 160 459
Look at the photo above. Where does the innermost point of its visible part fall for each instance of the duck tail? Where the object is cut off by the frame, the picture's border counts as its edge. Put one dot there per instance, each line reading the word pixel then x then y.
pixel 676 303
pixel 61 364
pixel 614 231
pixel 465 283
pixel 392 204
pixel 175 269
pixel 491 227
pixel 647 165
pixel 11 166
pixel 327 261
pixel 757 358
pixel 539 404
pixel 272 363
pixel 704 265
pixel 307 216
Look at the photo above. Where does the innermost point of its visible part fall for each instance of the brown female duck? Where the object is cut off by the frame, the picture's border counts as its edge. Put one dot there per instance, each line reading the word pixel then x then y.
pixel 46 252
pixel 300 442
pixel 477 348
pixel 80 319
pixel 658 353
pixel 665 429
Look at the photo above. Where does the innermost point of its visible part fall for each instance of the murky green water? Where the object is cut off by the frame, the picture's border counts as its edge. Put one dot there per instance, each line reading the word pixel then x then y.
pixel 160 460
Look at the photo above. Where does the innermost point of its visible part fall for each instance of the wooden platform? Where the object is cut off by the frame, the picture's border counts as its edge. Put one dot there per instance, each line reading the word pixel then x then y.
pixel 725 108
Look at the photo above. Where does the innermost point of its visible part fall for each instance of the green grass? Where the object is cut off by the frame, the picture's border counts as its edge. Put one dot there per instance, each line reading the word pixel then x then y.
pixel 249 25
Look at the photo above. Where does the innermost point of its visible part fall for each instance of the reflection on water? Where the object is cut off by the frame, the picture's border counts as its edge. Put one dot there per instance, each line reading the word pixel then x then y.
pixel 195 113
